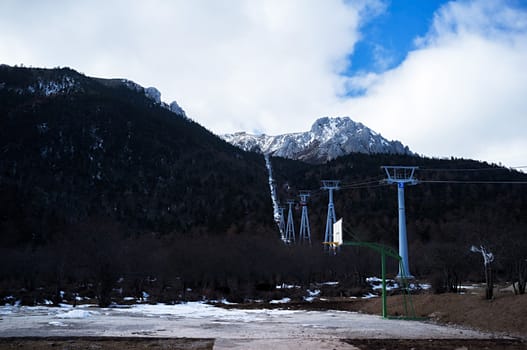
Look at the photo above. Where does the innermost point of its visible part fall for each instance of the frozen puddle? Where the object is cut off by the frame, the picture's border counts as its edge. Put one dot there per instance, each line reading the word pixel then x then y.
pixel 233 328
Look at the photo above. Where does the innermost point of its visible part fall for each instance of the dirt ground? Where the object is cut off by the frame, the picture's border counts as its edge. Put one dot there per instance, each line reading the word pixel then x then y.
pixel 106 343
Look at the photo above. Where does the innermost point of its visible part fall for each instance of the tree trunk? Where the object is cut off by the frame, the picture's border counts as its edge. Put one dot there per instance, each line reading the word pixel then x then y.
pixel 489 281
pixel 522 280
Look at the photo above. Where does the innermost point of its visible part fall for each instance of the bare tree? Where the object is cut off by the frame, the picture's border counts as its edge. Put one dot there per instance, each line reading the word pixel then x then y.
pixel 488 258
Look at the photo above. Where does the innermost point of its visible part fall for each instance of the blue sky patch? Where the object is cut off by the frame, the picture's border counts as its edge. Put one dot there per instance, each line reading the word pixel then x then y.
pixel 387 38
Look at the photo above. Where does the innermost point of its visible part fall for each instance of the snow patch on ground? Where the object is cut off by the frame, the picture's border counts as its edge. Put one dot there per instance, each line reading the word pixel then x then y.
pixel 222 301
pixel 313 293
pixel 331 283
pixel 76 313
pixel 286 286
pixel 281 301
pixel 6 310
pixel 369 296
pixel 376 284
pixel 199 310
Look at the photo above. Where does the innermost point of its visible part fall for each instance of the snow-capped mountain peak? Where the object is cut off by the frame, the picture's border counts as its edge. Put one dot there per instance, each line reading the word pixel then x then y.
pixel 327 139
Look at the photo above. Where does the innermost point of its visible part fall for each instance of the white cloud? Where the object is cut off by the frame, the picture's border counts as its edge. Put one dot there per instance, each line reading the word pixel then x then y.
pixel 274 65
pixel 462 93
pixel 235 64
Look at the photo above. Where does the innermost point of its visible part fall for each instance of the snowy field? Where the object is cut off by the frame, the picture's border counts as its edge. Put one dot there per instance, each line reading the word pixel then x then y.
pixel 232 329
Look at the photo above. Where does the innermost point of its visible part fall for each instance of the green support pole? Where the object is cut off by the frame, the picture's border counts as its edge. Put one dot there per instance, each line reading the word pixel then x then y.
pixel 383 273
pixel 384 250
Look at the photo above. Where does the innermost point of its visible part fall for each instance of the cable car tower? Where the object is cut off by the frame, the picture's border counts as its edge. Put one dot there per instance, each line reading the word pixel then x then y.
pixel 330 185
pixel 402 175
pixel 290 228
pixel 305 231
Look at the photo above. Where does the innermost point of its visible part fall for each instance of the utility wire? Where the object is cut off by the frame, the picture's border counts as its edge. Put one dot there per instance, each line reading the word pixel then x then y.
pixel 376 182
pixel 470 169
pixel 367 186
pixel 474 182
pixel 357 184
pixel 353 185
pixel 460 169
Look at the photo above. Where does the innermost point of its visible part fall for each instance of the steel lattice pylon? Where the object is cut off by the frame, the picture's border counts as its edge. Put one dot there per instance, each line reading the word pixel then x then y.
pixel 305 231
pixel 290 228
pixel 330 185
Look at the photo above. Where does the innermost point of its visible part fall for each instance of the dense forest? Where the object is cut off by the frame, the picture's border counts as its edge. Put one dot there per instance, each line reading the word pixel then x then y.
pixel 99 151
pixel 106 193
pixel 456 204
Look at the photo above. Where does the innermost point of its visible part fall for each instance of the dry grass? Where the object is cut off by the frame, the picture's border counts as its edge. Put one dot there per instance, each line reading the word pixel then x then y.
pixel 505 314
pixel 437 344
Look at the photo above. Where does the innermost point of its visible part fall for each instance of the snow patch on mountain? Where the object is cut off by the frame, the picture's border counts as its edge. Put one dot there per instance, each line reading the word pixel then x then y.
pixel 65 85
pixel 61 85
pixel 272 187
pixel 328 139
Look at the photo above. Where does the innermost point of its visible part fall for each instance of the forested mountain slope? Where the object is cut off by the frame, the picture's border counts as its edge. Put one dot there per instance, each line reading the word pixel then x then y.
pixel 75 148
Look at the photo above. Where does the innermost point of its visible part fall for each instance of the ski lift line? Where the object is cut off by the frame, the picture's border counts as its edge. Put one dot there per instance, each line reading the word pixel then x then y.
pixel 371 178
pixel 471 169
pixel 363 187
pixel 366 181
pixel 361 183
pixel 352 185
pixel 315 193
pixel 369 182
pixel 377 182
pixel 475 182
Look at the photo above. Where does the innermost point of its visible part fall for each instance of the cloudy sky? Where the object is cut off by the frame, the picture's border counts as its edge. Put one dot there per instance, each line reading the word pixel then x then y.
pixel 447 78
